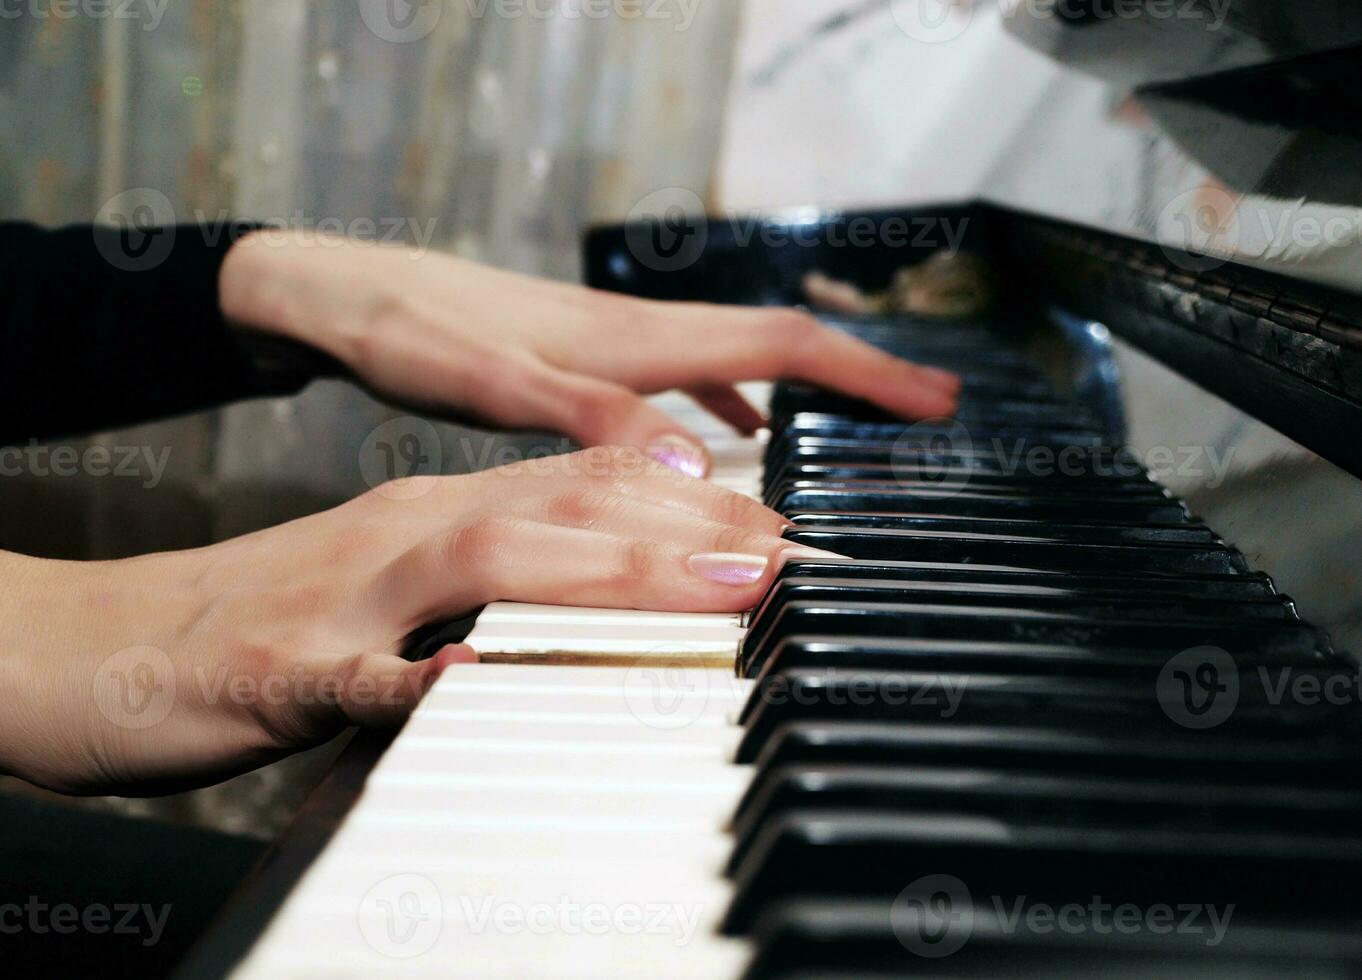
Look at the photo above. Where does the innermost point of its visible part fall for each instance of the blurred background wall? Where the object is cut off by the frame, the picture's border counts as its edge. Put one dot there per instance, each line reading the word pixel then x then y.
pixel 494 130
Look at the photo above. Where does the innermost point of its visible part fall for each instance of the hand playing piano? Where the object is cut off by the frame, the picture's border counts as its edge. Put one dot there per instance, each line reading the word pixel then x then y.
pixel 166 671
pixel 524 353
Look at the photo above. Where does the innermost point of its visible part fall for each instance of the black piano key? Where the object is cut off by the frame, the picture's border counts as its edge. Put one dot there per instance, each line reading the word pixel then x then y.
pixel 976 698
pixel 804 461
pixel 912 471
pixel 849 939
pixel 810 496
pixel 946 484
pixel 1320 762
pixel 875 855
pixel 1253 585
pixel 1112 627
pixel 933 435
pixel 829 590
pixel 981 405
pixel 1092 532
pixel 1053 797
pixel 907 545
pixel 766 628
pixel 1131 663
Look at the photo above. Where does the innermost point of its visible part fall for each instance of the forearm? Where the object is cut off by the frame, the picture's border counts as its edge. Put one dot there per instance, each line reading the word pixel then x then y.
pixel 31 601
pixel 91 338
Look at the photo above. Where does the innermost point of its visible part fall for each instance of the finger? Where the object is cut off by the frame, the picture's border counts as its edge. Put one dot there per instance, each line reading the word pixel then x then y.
pixel 608 513
pixel 377 690
pixel 625 472
pixel 728 403
pixel 825 293
pixel 690 343
pixel 834 360
pixel 595 413
pixel 510 559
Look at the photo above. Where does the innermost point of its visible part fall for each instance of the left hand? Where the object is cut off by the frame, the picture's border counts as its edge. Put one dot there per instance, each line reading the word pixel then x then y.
pixel 524 353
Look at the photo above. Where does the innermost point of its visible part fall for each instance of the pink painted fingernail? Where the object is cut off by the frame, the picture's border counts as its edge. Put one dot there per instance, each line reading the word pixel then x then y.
pixel 680 454
pixel 729 569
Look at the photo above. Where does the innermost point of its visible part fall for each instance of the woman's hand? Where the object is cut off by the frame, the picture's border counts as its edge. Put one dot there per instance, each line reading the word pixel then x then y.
pixel 156 673
pixel 525 353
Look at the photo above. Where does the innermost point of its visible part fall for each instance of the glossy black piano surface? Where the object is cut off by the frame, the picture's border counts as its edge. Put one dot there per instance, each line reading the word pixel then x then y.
pixel 1028 686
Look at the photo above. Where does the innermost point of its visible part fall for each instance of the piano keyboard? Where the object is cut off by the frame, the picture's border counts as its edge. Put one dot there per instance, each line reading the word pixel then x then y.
pixel 872 771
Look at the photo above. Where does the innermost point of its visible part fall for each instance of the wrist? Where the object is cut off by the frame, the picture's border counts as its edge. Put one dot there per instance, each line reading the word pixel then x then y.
pixel 269 293
pixel 316 290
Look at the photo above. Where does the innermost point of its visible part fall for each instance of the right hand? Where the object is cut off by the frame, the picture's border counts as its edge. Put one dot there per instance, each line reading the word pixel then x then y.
pixel 308 619
pixel 517 352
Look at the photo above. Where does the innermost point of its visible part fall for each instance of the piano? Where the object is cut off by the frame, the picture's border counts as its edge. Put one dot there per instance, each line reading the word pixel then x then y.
pixel 1055 712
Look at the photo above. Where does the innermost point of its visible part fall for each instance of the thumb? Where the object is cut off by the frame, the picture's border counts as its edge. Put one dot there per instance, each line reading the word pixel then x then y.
pixel 378 690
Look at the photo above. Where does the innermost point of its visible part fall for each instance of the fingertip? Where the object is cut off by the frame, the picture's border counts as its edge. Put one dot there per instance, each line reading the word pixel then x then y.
pixel 454 653
pixel 947 381
pixel 682 453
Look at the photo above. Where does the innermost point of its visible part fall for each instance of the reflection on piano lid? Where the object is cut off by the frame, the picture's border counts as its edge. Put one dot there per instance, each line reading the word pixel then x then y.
pixel 1056 713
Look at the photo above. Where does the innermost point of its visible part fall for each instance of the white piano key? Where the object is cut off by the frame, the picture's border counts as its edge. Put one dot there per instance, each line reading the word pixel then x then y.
pixel 524 613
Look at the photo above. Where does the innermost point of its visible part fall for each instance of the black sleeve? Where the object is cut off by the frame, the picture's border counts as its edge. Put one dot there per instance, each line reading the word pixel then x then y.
pixel 102 327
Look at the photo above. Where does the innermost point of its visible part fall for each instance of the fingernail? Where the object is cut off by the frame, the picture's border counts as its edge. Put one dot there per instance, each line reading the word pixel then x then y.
pixel 680 454
pixel 729 569
pixel 802 553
